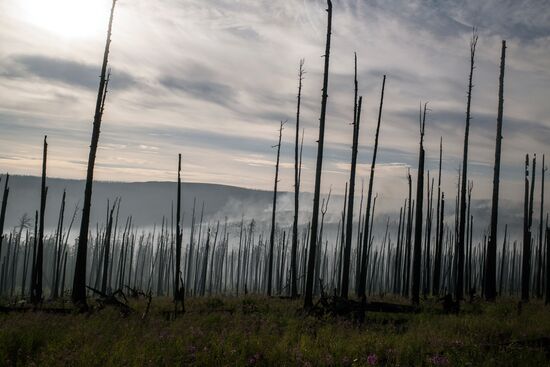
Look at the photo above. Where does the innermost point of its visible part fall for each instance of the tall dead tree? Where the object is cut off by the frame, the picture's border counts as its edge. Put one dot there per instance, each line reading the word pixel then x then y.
pixel 547 299
pixel 408 242
pixel 308 297
pixel 179 292
pixel 79 283
pixel 366 231
pixel 351 193
pixel 460 248
pixel 417 249
pixel 293 252
pixel 438 233
pixel 538 274
pixel 273 213
pixel 526 256
pixel 526 269
pixel 3 210
pixel 36 278
pixel 491 265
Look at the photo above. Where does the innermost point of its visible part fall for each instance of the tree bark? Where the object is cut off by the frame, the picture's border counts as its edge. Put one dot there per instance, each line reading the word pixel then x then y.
pixel 273 213
pixel 366 232
pixel 459 288
pixel 79 282
pixel 491 265
pixel 308 297
pixel 417 249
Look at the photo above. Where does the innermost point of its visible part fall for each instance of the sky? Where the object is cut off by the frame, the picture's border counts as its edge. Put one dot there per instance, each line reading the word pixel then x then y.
pixel 212 79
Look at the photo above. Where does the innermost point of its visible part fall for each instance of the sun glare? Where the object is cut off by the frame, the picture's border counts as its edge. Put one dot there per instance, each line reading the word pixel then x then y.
pixel 67 18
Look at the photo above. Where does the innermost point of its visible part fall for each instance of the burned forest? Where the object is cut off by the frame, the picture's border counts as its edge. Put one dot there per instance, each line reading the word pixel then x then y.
pixel 376 236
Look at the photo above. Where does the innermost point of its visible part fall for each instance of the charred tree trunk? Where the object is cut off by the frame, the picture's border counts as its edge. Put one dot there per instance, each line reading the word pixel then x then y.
pixel 526 256
pixel 3 210
pixel 366 231
pixel 273 213
pixel 491 265
pixel 503 261
pixel 408 243
pixel 459 288
pixel 36 288
pixel 179 292
pixel 417 250
pixel 308 298
pixel 79 282
pixel 351 194
pixel 57 249
pixel 438 229
pixel 547 299
pixel 107 247
pixel 293 254
pixel 538 275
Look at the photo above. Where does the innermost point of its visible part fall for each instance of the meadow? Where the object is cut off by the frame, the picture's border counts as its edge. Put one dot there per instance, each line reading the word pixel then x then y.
pixel 261 331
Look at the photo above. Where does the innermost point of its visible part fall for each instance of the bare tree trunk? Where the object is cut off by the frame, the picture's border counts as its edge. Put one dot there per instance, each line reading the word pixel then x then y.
pixel 491 265
pixel 539 278
pixel 526 256
pixel 417 250
pixel 351 194
pixel 79 282
pixel 526 270
pixel 57 249
pixel 3 210
pixel 308 297
pixel 293 270
pixel 179 291
pixel 439 232
pixel 408 243
pixel 459 289
pixel 36 289
pixel 547 300
pixel 272 235
pixel 107 246
pixel 503 261
pixel 366 232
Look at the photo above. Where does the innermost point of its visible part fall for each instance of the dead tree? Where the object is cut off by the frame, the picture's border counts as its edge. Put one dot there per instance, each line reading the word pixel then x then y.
pixel 293 254
pixel 273 213
pixel 491 265
pixel 408 243
pixel 547 299
pixel 36 278
pixel 459 288
pixel 526 256
pixel 57 248
pixel 79 283
pixel 538 273
pixel 3 210
pixel 351 194
pixel 308 297
pixel 438 226
pixel 366 231
pixel 179 292
pixel 107 251
pixel 503 260
pixel 417 249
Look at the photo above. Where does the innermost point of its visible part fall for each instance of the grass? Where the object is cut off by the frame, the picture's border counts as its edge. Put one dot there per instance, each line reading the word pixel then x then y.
pixel 256 331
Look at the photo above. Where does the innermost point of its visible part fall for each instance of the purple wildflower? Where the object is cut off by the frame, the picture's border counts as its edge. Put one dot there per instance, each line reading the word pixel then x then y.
pixel 372 359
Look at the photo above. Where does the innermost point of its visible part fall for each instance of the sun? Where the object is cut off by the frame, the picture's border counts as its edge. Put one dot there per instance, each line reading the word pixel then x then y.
pixel 67 18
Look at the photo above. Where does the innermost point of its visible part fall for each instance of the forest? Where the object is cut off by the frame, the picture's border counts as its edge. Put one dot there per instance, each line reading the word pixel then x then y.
pixel 420 289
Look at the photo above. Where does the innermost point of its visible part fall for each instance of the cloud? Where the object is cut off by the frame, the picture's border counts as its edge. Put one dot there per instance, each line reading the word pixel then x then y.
pixel 65 71
pixel 204 90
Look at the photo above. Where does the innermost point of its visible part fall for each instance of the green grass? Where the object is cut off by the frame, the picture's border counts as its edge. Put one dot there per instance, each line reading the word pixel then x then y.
pixel 256 331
